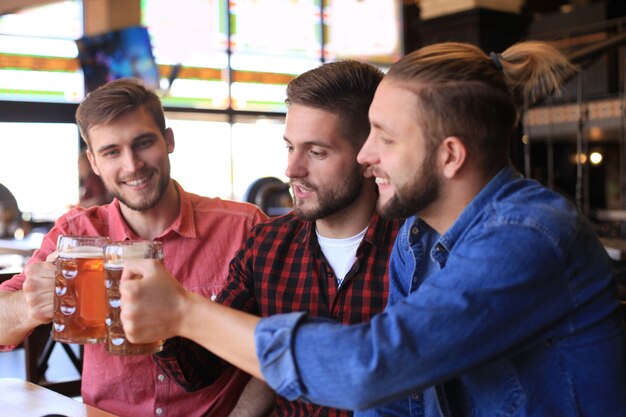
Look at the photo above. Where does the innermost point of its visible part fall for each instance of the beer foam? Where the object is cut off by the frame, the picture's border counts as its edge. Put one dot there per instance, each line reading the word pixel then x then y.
pixel 136 250
pixel 117 264
pixel 82 252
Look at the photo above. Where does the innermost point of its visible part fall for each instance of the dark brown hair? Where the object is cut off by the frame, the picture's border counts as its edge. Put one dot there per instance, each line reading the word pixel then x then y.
pixel 465 93
pixel 345 88
pixel 115 98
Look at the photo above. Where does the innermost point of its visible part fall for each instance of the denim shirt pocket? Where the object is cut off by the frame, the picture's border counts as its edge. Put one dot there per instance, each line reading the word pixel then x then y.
pixel 493 389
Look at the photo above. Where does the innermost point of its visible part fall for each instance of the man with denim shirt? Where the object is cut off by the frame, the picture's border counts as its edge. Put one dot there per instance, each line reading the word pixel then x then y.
pixel 502 300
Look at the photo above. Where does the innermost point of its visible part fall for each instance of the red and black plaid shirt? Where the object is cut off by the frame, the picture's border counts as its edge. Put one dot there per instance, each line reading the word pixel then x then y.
pixel 280 269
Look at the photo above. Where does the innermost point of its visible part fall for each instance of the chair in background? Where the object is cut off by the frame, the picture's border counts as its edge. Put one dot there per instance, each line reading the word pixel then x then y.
pixel 38 348
pixel 271 195
pixel 39 344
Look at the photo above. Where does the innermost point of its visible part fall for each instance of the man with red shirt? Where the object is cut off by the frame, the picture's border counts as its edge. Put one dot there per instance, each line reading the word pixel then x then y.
pixel 329 256
pixel 128 146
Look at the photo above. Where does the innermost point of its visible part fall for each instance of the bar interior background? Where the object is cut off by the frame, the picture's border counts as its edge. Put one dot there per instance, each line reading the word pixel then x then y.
pixel 221 69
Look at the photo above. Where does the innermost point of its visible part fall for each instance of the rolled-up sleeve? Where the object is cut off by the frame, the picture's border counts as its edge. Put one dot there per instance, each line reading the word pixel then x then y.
pixel 274 338
pixel 408 347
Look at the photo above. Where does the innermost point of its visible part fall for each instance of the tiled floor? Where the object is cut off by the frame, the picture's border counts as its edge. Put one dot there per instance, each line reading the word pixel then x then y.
pixel 13 365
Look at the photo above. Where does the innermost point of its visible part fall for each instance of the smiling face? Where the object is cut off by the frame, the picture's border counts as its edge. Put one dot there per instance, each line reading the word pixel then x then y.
pixel 130 154
pixel 324 174
pixel 402 160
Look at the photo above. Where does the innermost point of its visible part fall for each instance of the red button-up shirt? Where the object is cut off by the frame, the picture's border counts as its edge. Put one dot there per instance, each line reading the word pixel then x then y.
pixel 197 248
pixel 281 269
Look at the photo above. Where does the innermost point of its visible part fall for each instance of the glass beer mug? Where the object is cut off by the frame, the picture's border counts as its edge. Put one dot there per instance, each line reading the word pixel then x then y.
pixel 79 297
pixel 114 256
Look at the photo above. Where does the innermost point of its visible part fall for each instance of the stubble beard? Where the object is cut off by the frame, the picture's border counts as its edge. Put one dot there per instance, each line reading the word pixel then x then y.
pixel 334 200
pixel 149 201
pixel 414 197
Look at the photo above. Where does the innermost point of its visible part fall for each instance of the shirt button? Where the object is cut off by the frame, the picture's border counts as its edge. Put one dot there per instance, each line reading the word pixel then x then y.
pixel 439 247
pixel 415 230
pixel 415 396
pixel 159 411
pixel 161 377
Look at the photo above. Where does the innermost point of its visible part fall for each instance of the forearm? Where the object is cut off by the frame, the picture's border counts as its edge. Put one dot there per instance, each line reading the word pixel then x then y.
pixel 224 331
pixel 15 321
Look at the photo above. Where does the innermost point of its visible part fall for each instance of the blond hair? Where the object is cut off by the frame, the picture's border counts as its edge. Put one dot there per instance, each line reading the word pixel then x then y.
pixel 464 92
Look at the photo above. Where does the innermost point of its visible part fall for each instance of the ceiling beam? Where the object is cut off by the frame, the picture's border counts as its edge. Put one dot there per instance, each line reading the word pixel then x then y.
pixel 103 16
pixel 12 6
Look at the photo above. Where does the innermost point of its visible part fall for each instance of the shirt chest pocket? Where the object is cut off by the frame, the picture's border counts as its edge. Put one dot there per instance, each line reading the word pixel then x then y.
pixel 201 276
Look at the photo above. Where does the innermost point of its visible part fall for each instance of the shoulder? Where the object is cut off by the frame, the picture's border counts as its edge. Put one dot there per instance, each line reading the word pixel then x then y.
pixel 529 203
pixel 287 226
pixel 288 220
pixel 95 219
pixel 202 204
pixel 79 214
pixel 382 231
pixel 527 208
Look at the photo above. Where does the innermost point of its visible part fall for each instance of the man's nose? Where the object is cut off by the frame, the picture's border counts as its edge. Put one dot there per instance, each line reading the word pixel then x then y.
pixel 131 161
pixel 296 167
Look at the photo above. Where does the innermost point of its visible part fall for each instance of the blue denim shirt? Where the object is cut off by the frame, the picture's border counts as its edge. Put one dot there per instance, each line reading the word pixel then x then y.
pixel 519 317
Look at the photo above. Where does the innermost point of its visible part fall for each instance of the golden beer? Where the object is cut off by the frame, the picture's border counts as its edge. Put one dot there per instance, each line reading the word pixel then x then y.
pixel 115 254
pixel 79 294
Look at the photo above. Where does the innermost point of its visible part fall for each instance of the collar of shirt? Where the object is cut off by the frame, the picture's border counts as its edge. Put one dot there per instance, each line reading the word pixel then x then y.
pixel 376 232
pixel 450 237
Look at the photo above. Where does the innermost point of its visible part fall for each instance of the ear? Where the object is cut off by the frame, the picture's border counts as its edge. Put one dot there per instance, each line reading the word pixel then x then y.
pixel 169 140
pixel 92 162
pixel 452 156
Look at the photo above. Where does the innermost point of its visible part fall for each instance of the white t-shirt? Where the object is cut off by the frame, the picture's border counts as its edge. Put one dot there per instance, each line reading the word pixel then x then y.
pixel 340 253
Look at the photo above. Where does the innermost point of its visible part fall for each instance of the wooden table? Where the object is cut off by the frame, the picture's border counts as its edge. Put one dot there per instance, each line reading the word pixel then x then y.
pixel 20 398
pixel 24 247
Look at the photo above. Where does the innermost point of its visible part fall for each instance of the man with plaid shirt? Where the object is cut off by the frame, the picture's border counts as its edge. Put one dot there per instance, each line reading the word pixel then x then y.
pixel 329 256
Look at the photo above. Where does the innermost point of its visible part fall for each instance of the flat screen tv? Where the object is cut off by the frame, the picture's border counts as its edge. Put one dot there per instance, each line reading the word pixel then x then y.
pixel 118 54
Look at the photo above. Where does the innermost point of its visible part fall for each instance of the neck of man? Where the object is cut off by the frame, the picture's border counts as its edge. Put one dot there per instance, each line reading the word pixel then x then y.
pixel 148 224
pixel 455 195
pixel 352 219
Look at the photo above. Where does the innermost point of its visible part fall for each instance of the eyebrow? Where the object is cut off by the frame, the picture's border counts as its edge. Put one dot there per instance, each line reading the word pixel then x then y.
pixel 311 143
pixel 380 126
pixel 105 148
pixel 135 139
pixel 376 124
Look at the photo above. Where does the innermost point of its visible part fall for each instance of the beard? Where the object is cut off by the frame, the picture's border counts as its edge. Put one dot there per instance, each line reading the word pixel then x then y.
pixel 147 202
pixel 415 196
pixel 334 200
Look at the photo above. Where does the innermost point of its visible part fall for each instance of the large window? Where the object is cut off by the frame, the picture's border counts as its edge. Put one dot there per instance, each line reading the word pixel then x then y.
pixel 230 62
pixel 193 34
pixel 215 158
pixel 258 151
pixel 241 55
pixel 223 54
pixel 42 169
pixel 374 36
pixel 202 157
pixel 38 53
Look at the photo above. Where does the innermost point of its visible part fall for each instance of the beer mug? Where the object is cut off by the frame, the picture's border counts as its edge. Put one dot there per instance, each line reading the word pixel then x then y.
pixel 79 298
pixel 114 256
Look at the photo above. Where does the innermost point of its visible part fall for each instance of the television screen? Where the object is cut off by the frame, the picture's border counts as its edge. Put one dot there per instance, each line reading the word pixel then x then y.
pixel 118 54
